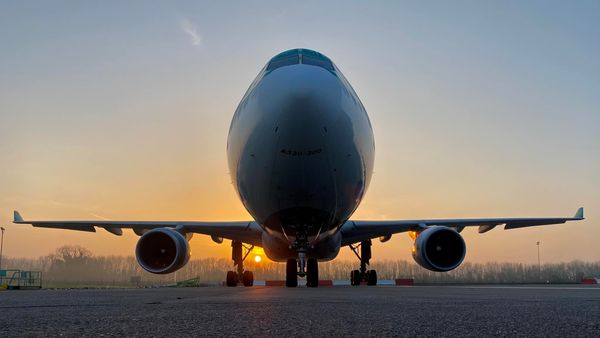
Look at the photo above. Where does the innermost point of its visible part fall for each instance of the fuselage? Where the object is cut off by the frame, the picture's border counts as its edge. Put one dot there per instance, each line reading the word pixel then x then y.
pixel 301 151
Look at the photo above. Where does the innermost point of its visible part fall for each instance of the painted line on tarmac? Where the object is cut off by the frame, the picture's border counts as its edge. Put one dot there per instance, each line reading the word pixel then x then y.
pixel 518 287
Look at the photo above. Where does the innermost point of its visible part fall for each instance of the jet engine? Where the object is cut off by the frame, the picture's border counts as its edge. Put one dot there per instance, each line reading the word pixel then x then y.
pixel 439 248
pixel 162 250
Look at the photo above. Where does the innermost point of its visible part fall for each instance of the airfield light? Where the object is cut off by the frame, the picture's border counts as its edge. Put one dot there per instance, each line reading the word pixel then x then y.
pixel 539 262
pixel 257 259
pixel 1 246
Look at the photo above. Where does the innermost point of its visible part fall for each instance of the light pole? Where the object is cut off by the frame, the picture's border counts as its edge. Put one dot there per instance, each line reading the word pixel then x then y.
pixel 539 264
pixel 1 246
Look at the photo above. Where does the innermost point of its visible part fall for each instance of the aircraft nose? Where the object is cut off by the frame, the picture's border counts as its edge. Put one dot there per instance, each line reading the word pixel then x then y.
pixel 288 85
pixel 301 103
pixel 303 111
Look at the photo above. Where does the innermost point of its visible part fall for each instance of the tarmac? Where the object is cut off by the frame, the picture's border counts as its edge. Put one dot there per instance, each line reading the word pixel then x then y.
pixel 440 311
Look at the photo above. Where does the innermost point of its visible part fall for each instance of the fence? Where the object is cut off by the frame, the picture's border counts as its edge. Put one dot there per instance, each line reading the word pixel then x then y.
pixel 18 279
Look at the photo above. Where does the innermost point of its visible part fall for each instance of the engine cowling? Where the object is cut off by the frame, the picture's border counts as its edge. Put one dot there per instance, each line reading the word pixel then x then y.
pixel 162 250
pixel 439 248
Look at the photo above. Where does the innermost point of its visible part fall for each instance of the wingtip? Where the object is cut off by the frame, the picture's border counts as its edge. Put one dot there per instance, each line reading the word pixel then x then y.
pixel 17 217
pixel 579 213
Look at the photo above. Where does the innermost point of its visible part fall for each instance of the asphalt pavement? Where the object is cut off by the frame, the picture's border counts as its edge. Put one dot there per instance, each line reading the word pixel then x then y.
pixel 440 311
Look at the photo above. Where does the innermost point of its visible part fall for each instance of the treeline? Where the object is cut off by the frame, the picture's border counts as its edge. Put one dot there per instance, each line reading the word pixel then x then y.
pixel 74 265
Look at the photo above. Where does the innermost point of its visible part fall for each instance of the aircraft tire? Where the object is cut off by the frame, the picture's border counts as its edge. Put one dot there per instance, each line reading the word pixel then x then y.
pixel 291 273
pixel 312 273
pixel 248 278
pixel 231 279
pixel 371 277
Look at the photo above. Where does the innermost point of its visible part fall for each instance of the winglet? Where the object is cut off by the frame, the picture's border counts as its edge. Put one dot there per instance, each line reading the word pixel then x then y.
pixel 579 213
pixel 17 217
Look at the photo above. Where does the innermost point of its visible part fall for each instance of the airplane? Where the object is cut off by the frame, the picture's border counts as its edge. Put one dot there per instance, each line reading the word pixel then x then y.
pixel 300 152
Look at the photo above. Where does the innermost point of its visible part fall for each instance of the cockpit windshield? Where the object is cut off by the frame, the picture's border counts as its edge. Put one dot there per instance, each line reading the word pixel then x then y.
pixel 313 58
pixel 300 56
pixel 281 61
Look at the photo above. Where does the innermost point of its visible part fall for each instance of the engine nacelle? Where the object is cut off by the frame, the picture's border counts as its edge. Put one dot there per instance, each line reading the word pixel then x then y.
pixel 162 250
pixel 439 248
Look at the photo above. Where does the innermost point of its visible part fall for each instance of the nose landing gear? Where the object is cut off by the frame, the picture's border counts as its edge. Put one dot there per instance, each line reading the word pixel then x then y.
pixel 238 256
pixel 303 267
pixel 295 268
pixel 363 275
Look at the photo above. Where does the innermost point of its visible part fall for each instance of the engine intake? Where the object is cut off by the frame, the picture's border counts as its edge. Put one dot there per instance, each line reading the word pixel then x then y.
pixel 439 248
pixel 162 250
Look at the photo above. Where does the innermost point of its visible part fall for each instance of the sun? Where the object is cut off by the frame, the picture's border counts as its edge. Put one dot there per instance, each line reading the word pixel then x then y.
pixel 257 259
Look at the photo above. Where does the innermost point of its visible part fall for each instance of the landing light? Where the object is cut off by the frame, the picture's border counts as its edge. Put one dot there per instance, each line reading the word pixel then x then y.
pixel 257 259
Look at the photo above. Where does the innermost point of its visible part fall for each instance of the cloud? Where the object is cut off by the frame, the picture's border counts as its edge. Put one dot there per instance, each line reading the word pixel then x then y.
pixel 99 217
pixel 192 32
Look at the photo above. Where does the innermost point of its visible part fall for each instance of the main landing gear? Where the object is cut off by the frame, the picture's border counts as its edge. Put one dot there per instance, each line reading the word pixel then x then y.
pixel 238 256
pixel 363 275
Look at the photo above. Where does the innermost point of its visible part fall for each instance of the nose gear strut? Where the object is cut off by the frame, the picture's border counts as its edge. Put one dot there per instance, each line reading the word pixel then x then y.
pixel 301 263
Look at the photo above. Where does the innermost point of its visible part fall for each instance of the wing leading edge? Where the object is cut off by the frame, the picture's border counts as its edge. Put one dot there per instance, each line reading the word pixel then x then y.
pixel 246 231
pixel 356 231
pixel 250 232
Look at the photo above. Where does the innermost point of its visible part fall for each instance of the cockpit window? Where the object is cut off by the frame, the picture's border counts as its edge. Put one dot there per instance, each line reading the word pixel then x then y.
pixel 317 61
pixel 300 56
pixel 286 60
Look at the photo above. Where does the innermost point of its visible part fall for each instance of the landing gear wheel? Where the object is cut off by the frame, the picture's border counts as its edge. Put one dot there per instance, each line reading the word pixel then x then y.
pixel 371 277
pixel 355 277
pixel 231 279
pixel 312 273
pixel 363 275
pixel 291 271
pixel 248 278
pixel 238 256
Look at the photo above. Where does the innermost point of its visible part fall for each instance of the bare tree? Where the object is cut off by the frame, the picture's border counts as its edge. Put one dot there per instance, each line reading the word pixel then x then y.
pixel 75 265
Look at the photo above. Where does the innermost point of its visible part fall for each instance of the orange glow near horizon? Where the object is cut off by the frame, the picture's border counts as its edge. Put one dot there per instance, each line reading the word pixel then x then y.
pixel 472 124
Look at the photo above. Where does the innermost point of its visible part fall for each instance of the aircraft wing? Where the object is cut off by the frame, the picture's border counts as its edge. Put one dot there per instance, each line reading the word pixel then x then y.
pixel 356 231
pixel 246 231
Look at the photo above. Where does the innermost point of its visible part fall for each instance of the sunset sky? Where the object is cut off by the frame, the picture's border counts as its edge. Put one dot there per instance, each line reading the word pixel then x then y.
pixel 120 111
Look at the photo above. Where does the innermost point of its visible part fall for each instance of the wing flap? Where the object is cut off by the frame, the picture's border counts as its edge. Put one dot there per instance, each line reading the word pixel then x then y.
pixel 114 230
pixel 485 228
